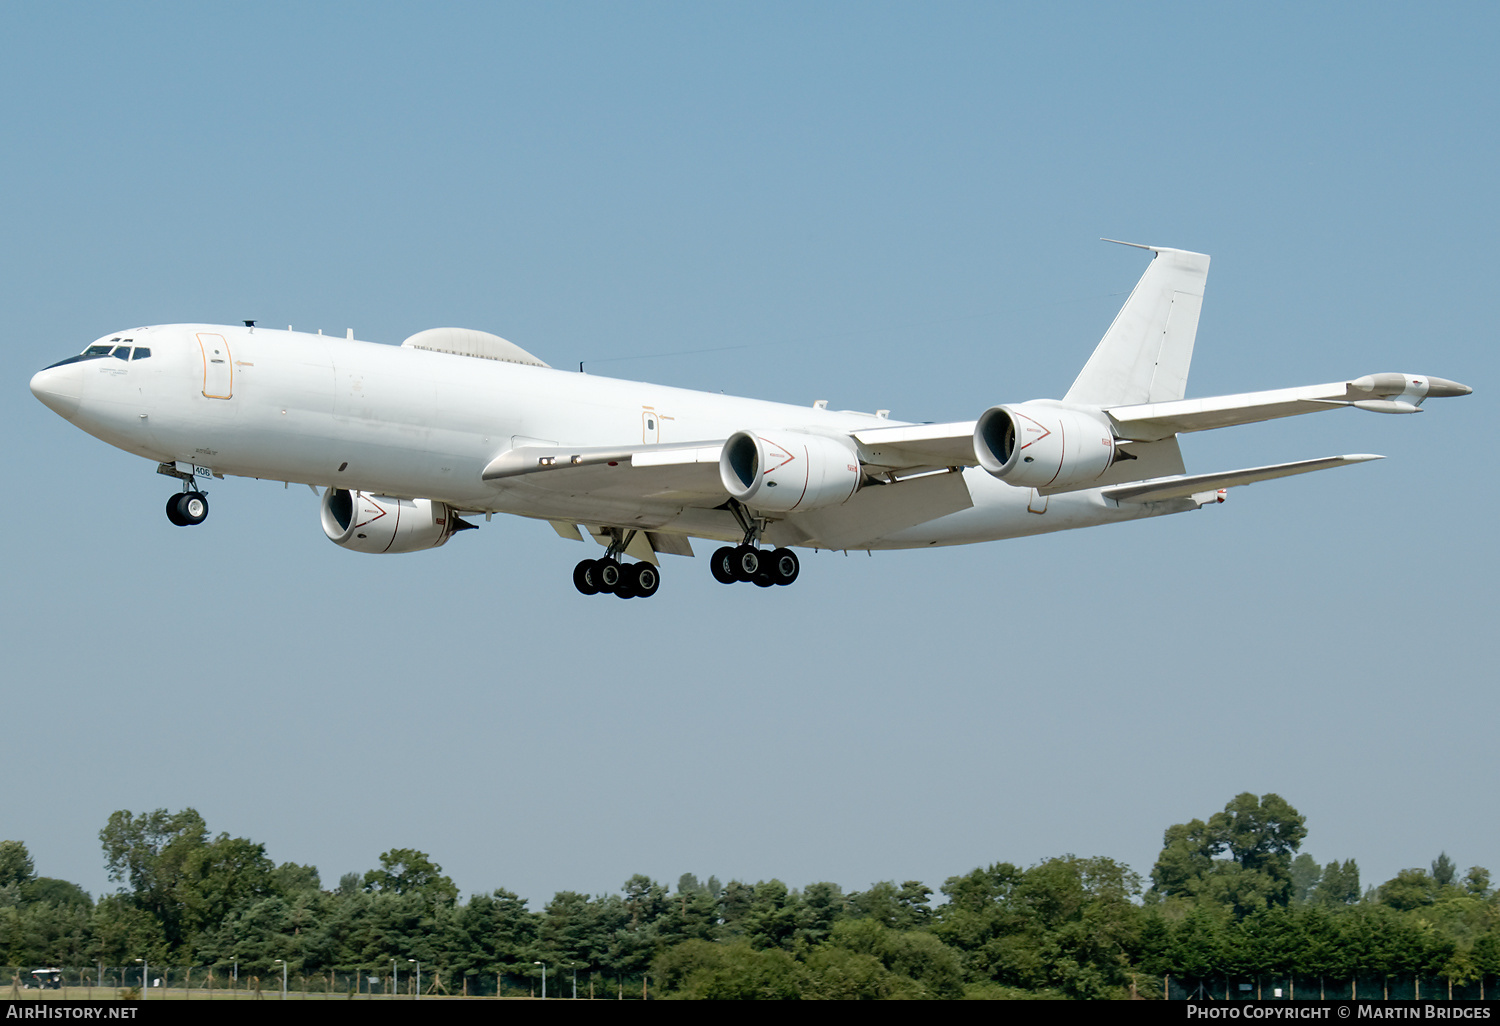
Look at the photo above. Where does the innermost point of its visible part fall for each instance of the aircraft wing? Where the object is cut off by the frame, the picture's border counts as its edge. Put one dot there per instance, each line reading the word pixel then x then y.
pixel 917 448
pixel 1378 393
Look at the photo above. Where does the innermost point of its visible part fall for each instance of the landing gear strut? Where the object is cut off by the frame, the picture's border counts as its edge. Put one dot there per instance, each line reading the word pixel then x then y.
pixel 747 562
pixel 609 576
pixel 187 508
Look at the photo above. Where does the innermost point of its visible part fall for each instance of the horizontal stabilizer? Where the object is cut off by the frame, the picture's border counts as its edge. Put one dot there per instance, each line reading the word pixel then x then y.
pixel 1183 487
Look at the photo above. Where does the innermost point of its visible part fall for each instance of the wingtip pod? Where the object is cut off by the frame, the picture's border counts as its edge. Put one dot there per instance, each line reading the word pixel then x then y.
pixel 1407 387
pixel 1442 388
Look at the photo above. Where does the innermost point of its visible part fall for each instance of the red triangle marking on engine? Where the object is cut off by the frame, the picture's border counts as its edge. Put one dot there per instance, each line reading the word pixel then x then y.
pixel 378 506
pixel 1044 431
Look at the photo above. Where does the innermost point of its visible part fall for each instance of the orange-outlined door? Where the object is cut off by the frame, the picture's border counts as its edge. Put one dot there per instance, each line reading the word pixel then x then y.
pixel 218 371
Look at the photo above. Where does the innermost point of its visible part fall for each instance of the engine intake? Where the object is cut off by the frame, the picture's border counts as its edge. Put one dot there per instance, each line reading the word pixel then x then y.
pixel 1033 445
pixel 789 471
pixel 379 523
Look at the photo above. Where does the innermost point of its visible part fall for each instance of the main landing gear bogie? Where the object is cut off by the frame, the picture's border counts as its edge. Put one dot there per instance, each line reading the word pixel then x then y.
pixel 610 577
pixel 732 564
pixel 187 509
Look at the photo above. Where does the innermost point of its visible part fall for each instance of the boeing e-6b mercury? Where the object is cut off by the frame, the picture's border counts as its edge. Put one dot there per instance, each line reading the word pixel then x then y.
pixel 404 440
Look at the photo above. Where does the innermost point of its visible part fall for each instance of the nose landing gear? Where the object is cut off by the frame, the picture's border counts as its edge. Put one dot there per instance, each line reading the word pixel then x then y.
pixel 187 508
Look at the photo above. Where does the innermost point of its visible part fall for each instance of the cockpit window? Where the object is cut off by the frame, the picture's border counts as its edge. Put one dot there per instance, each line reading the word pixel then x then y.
pixel 96 352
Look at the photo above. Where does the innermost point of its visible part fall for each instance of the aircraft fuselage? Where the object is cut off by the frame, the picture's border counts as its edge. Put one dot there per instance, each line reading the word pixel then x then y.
pixel 402 422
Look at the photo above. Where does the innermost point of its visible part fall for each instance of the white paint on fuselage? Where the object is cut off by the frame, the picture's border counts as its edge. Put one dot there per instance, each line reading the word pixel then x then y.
pixel 415 424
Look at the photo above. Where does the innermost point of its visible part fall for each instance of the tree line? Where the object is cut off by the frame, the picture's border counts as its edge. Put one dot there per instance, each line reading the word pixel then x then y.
pixel 1230 898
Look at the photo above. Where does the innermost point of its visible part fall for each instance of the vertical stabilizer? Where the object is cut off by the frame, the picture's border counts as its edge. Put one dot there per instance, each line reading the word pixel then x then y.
pixel 1144 356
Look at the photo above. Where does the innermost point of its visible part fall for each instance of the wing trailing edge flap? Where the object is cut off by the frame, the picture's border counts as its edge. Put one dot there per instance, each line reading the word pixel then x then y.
pixel 640 546
pixel 686 472
pixel 876 512
pixel 1186 487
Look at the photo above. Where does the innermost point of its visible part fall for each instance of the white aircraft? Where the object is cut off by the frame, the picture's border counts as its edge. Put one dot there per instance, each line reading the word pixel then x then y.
pixel 404 440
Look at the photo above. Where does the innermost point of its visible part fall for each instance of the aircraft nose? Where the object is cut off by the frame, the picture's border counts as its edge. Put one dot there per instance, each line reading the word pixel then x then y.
pixel 59 388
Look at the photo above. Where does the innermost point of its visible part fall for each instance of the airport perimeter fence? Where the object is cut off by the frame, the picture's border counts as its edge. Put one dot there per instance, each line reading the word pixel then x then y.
pixel 241 982
pixel 1327 988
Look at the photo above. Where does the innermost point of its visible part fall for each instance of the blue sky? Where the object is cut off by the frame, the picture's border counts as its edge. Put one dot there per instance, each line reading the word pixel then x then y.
pixel 885 205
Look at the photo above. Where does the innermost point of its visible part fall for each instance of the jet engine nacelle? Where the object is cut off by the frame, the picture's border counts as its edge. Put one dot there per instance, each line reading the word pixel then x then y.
pixel 789 471
pixel 378 523
pixel 1038 445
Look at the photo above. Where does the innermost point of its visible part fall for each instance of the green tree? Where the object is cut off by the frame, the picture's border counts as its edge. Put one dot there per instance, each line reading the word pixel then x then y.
pixel 493 933
pixel 1443 870
pixel 408 871
pixel 48 891
pixel 1259 836
pixel 1477 882
pixel 16 867
pixel 835 973
pixel 216 878
pixel 902 908
pixel 1409 889
pixel 703 970
pixel 822 905
pixel 693 912
pixel 1066 923
pixel 771 920
pixel 152 853
pixel 1306 873
pixel 914 954
pixel 289 879
pixel 1339 884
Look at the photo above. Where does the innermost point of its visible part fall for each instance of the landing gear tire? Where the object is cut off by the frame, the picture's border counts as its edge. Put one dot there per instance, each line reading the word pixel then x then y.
pixel 607 575
pixel 172 513
pixel 722 564
pixel 764 579
pixel 785 566
pixel 584 578
pixel 647 579
pixel 747 563
pixel 626 588
pixel 192 509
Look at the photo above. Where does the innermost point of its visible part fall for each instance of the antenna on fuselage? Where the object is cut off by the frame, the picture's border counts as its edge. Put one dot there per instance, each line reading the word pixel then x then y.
pixel 251 326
